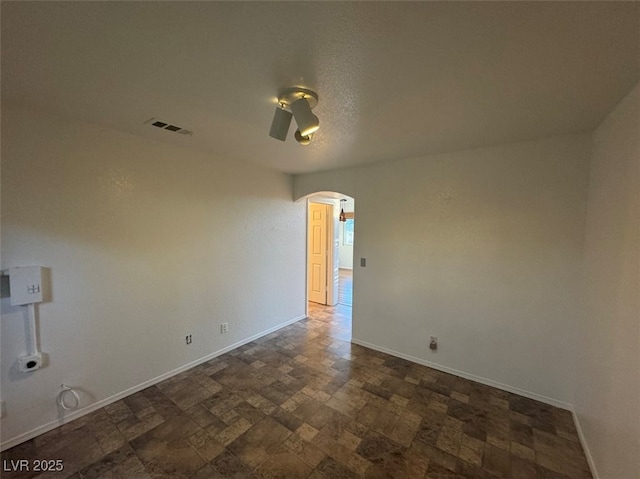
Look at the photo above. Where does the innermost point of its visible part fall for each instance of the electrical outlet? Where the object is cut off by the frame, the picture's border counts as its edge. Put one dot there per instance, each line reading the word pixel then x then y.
pixel 224 328
pixel 188 339
pixel 433 343
pixel 3 409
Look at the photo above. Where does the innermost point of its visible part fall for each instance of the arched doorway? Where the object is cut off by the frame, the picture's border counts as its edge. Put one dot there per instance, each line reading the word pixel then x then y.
pixel 330 242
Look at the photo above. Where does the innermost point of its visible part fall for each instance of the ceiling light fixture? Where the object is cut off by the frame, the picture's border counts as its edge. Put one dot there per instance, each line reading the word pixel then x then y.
pixel 343 216
pixel 300 101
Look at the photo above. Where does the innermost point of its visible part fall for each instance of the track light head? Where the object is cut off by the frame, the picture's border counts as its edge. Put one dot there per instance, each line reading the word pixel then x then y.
pixel 307 121
pixel 280 124
pixel 303 139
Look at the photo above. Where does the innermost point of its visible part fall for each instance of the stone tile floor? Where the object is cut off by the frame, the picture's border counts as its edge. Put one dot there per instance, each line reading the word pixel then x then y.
pixel 306 403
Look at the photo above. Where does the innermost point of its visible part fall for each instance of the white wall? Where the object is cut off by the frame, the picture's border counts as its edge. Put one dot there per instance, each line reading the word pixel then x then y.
pixel 485 253
pixel 608 393
pixel 147 242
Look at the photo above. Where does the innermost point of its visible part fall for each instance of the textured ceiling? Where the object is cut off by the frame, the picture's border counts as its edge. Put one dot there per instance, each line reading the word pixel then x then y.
pixel 395 80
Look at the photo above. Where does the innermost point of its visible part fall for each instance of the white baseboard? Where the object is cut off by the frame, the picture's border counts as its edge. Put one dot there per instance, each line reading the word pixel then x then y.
pixel 14 441
pixel 585 448
pixel 472 377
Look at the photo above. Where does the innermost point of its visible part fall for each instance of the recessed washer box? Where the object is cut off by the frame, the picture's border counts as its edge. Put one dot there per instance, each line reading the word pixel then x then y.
pixel 30 363
pixel 25 285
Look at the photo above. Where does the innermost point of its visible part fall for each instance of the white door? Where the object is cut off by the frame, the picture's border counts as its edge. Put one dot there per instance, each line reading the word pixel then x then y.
pixel 317 252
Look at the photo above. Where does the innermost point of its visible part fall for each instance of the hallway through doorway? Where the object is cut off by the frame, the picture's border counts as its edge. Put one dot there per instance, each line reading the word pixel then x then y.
pixel 345 287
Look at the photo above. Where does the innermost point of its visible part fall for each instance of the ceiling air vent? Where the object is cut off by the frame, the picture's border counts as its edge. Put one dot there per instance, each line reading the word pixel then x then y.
pixel 168 126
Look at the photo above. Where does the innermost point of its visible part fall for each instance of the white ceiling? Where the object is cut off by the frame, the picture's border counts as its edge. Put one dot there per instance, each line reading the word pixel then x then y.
pixel 395 80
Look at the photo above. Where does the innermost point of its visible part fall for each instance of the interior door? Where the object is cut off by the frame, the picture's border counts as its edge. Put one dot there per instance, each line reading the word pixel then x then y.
pixel 317 253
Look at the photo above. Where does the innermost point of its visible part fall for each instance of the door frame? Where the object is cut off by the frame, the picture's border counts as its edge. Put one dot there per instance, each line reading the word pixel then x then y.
pixel 332 233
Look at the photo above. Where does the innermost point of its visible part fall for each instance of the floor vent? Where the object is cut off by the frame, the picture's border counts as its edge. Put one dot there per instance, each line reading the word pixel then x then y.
pixel 168 126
